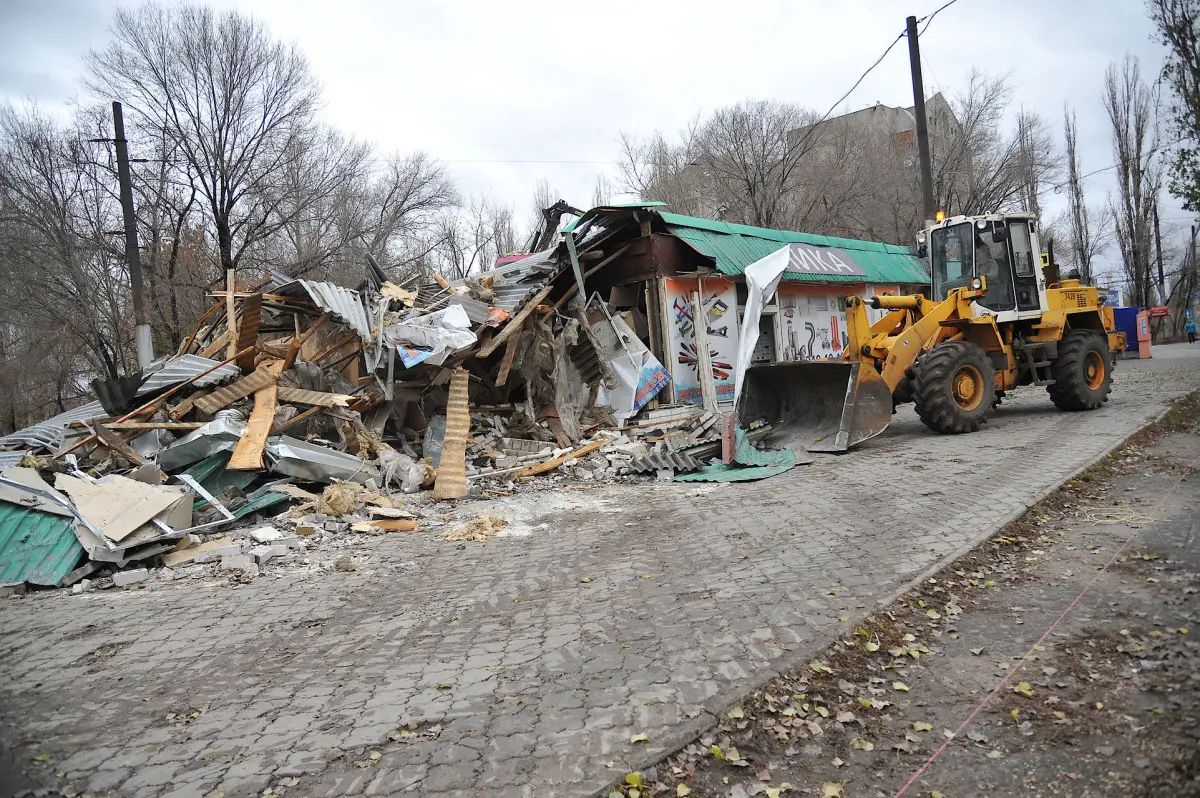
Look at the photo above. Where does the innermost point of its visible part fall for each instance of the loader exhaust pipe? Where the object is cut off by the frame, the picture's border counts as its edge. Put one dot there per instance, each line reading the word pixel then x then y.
pixel 820 406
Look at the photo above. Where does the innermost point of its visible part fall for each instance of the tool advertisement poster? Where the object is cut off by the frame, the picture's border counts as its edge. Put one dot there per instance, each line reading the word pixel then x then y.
pixel 718 298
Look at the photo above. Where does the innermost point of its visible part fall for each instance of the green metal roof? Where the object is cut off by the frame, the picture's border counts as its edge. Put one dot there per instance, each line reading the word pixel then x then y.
pixel 736 246
pixel 36 547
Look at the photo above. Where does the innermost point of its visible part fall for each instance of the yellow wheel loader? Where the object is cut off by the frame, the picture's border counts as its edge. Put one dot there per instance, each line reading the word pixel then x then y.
pixel 993 324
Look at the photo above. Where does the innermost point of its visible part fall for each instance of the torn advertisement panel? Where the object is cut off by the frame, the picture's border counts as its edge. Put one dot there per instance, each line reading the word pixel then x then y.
pixel 639 374
pixel 431 337
pixel 762 278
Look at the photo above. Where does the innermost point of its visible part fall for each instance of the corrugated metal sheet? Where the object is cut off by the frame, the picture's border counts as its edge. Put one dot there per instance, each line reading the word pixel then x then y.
pixel 343 303
pixel 36 547
pixel 184 367
pixel 734 247
pixel 48 434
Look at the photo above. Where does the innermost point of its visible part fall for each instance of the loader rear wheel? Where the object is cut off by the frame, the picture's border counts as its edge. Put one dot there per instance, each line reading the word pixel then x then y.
pixel 1082 371
pixel 954 387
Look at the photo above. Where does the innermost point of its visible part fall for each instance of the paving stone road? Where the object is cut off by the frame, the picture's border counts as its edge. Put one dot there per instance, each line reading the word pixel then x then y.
pixel 536 679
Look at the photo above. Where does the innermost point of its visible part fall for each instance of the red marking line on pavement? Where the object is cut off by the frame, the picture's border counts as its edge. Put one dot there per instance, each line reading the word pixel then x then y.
pixel 1012 671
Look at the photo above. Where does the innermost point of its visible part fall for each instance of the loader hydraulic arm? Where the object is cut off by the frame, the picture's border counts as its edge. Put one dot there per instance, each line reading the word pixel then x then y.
pixel 915 324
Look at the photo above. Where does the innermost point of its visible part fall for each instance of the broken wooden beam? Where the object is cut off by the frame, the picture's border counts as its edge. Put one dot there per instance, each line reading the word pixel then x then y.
pixel 248 454
pixel 550 465
pixel 224 396
pixel 515 324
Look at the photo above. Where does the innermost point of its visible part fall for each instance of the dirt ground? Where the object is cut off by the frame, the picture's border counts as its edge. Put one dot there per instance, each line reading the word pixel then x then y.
pixel 1058 658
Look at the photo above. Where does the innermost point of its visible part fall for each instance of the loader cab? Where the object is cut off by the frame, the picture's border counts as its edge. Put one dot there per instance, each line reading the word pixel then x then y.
pixel 1000 248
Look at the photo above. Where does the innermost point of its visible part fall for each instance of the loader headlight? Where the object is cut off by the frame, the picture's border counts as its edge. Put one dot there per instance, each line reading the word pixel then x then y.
pixel 977 284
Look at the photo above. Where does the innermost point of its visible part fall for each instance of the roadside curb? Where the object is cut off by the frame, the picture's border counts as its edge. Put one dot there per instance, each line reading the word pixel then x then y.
pixel 715 707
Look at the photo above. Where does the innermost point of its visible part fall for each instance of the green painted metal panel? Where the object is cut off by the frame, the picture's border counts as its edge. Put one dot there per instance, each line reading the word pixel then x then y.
pixel 36 547
pixel 735 246
pixel 719 472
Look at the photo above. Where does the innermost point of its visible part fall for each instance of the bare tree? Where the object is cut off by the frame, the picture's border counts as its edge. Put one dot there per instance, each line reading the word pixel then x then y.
pixel 239 106
pixel 1178 23
pixel 1129 105
pixel 658 170
pixel 603 191
pixel 1087 229
pixel 470 238
pixel 750 154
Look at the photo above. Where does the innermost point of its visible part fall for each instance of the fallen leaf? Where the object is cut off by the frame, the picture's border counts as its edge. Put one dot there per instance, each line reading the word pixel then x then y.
pixel 838 762
pixel 831 789
pixel 949 735
pixel 861 744
pixel 732 755
pixel 977 651
pixel 639 738
pixel 717 753
pixel 682 790
pixel 634 779
pixel 1015 715
pixel 900 686
pixel 445 686
pixel 923 726
pixel 1024 688
pixel 843 618
pixel 909 638
pixel 735 713
pixel 994 754
pixel 936 794
pixel 376 756
pixel 586 579
pixel 872 646
pixel 934 614
pixel 822 711
pixel 845 717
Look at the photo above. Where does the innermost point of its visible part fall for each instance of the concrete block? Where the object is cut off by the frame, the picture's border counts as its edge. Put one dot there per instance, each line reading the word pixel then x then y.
pixel 219 553
pixel 262 554
pixel 265 534
pixel 237 562
pixel 82 586
pixel 336 527
pixel 291 542
pixel 125 578
pixel 12 589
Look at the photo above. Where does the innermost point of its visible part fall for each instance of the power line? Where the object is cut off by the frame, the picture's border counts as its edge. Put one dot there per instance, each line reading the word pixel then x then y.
pixel 926 19
pixel 929 19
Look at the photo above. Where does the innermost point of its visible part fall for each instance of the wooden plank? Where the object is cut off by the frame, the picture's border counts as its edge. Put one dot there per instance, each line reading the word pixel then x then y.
pixel 248 454
pixel 220 344
pixel 451 481
pixel 145 426
pixel 550 465
pixel 248 324
pixel 299 396
pixel 393 291
pixel 114 442
pixel 510 351
pixel 517 322
pixel 224 396
pixel 388 525
pixel 230 313
pixel 187 343
pixel 291 422
pixel 180 556
pixel 188 404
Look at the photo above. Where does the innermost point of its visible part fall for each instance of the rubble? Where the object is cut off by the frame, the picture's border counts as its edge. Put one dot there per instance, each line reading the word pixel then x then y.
pixel 359 410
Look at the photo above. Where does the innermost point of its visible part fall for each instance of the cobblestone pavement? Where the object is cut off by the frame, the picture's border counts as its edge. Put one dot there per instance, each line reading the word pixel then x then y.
pixel 518 677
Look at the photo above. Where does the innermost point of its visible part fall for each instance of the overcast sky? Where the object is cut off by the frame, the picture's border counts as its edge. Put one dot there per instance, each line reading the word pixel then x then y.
pixel 508 92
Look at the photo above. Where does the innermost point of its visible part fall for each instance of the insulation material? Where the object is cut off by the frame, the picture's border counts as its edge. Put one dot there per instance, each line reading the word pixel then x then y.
pixel 718 299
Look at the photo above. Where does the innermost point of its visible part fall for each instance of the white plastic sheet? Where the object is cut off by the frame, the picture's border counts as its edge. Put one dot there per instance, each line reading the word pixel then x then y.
pixel 762 279
pixel 432 337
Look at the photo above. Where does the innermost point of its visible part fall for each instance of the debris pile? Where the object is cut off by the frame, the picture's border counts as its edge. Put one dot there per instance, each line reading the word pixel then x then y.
pixel 459 388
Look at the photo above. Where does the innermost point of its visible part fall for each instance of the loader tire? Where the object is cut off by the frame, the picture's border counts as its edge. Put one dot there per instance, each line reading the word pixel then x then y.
pixel 1082 371
pixel 954 388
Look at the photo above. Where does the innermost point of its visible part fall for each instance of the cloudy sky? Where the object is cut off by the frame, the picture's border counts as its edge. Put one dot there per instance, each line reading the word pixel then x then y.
pixel 509 92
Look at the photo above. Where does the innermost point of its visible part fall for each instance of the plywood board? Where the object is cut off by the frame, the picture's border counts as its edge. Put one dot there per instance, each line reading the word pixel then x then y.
pixel 118 506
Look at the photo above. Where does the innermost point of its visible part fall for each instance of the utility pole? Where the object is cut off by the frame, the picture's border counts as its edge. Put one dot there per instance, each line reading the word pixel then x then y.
pixel 914 61
pixel 142 336
pixel 1162 282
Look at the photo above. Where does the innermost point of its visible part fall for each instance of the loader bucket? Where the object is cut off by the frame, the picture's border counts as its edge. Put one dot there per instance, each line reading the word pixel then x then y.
pixel 822 405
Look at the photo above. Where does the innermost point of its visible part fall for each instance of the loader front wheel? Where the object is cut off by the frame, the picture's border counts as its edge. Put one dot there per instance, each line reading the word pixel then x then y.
pixel 954 387
pixel 1082 371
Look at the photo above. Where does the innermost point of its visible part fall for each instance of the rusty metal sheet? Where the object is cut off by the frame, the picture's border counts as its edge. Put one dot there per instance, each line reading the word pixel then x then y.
pixel 223 397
